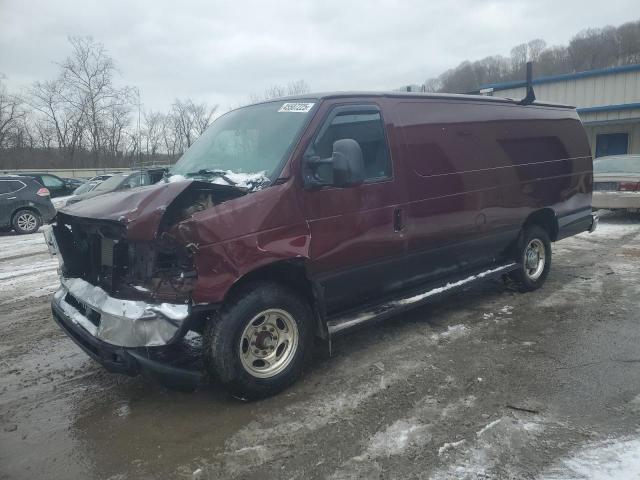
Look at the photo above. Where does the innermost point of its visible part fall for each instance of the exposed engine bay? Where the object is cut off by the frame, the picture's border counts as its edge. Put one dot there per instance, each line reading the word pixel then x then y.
pixel 162 269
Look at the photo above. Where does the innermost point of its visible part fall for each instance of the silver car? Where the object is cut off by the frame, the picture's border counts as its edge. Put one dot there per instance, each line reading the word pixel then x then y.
pixel 616 182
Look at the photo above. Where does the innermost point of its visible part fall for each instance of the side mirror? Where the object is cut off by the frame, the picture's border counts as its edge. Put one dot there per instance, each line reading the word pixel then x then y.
pixel 347 166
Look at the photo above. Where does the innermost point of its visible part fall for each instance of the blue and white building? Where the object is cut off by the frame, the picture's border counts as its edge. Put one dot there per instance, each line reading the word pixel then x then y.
pixel 608 101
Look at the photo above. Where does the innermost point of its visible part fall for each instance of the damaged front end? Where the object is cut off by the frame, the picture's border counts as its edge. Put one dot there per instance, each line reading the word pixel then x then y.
pixel 126 280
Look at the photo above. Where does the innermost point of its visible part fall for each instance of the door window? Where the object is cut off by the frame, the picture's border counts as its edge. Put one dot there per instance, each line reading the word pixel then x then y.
pixel 366 128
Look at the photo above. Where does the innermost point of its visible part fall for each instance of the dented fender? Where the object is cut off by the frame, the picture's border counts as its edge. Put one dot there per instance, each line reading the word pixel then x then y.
pixel 237 237
pixel 220 266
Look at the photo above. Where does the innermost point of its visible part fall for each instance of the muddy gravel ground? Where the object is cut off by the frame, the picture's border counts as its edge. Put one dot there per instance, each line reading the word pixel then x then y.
pixel 487 383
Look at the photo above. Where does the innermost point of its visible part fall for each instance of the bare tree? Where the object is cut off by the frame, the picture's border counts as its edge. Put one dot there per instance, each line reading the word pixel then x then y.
pixel 629 38
pixel 296 87
pixel 11 112
pixel 432 85
pixel 535 48
pixel 58 115
pixel 189 120
pixel 88 80
pixel 153 132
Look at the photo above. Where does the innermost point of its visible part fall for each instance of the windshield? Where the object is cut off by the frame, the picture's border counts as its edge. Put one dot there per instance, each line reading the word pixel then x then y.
pixel 84 188
pixel 619 164
pixel 246 144
pixel 111 183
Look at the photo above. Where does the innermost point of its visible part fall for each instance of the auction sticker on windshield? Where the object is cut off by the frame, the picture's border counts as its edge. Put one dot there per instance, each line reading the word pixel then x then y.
pixel 296 107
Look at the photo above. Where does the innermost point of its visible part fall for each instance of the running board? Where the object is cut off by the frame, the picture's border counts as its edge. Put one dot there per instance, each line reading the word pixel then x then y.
pixel 394 306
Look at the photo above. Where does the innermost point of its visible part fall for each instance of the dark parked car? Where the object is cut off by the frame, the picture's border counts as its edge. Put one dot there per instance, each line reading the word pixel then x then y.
pixel 86 187
pixel 75 182
pixel 305 217
pixel 120 181
pixel 57 186
pixel 24 204
pixel 103 177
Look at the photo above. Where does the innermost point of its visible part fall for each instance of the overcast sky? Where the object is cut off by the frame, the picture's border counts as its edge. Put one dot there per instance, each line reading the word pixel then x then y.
pixel 223 51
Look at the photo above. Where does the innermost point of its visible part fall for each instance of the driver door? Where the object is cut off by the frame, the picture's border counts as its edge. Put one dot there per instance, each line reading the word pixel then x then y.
pixel 357 235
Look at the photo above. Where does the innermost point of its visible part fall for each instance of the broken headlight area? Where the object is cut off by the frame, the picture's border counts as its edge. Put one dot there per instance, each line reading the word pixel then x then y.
pixel 99 253
pixel 136 253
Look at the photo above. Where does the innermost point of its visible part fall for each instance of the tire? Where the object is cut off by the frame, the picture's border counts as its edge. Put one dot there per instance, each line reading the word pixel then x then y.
pixel 26 221
pixel 263 321
pixel 533 256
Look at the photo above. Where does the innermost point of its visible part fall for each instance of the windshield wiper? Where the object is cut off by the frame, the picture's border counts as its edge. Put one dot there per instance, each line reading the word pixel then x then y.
pixel 206 172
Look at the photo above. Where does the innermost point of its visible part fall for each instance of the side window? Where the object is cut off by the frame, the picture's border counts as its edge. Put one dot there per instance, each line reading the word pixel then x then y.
pixel 51 182
pixel 366 128
pixel 10 186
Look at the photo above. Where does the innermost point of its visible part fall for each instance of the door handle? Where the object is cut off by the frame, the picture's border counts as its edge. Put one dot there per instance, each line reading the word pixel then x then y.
pixel 398 224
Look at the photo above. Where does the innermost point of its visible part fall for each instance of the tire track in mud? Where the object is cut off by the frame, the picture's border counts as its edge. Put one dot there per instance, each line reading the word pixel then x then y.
pixel 362 400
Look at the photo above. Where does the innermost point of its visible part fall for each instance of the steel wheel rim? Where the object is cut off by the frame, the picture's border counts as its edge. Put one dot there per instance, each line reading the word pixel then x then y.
pixel 268 343
pixel 27 222
pixel 534 259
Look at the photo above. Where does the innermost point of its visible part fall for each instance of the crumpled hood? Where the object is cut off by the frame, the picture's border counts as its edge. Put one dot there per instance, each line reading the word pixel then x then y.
pixel 141 209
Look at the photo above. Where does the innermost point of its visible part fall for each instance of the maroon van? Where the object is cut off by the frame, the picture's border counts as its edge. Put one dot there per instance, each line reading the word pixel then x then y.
pixel 303 217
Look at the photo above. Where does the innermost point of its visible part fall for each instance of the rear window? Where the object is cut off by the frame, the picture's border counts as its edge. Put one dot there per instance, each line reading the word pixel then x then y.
pixel 617 165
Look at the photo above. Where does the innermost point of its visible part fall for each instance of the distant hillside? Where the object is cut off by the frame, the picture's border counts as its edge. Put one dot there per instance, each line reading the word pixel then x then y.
pixel 590 49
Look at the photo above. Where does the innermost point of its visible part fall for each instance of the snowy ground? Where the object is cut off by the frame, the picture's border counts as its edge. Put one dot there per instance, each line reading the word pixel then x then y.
pixel 486 384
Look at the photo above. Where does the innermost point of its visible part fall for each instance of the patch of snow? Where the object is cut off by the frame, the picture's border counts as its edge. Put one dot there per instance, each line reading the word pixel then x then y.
pixel 449 446
pixel 245 180
pixel 176 178
pixel 503 438
pixel 506 310
pixel 449 286
pixel 612 229
pixel 251 181
pixel 609 460
pixel 398 437
pixel 13 245
pixel 453 332
pixel 487 427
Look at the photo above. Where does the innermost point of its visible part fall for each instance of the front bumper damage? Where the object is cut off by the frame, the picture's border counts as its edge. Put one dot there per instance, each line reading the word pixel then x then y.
pixel 125 323
pixel 130 337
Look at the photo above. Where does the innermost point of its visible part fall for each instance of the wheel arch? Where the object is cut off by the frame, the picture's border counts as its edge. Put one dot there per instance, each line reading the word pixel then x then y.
pixel 545 218
pixel 25 207
pixel 293 274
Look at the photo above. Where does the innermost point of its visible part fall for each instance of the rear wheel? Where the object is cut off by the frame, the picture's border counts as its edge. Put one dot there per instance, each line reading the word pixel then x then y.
pixel 533 255
pixel 26 221
pixel 258 344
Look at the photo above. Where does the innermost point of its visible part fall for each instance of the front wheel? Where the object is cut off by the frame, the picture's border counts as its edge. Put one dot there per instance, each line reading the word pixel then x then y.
pixel 258 344
pixel 533 255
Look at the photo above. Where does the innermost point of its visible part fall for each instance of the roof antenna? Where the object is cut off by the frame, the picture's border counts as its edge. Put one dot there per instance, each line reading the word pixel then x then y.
pixel 531 96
